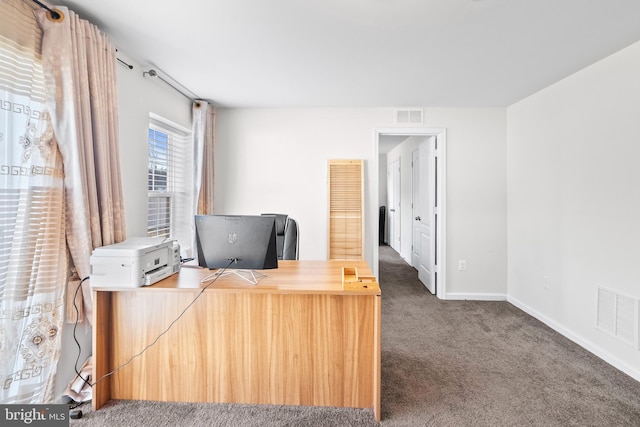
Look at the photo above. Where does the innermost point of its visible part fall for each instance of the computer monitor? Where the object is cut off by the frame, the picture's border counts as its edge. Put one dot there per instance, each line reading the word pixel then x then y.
pixel 238 243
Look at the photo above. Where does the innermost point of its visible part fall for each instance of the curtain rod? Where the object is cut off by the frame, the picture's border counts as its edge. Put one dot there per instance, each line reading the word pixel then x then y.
pixel 53 13
pixel 154 73
pixel 129 66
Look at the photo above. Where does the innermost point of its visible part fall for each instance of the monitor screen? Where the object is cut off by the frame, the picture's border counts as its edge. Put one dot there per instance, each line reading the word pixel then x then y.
pixel 236 241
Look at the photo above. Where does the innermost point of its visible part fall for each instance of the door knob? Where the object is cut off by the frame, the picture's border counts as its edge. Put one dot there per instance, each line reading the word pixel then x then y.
pixel 392 210
pixel 417 218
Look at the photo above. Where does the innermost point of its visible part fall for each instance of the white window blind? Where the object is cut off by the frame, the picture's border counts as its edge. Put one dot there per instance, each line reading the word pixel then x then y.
pixel 169 187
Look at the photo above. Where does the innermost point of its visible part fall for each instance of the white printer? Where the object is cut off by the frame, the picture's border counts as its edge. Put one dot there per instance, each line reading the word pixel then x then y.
pixel 138 261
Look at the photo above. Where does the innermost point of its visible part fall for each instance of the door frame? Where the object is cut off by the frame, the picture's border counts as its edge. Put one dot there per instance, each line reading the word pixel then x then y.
pixel 440 175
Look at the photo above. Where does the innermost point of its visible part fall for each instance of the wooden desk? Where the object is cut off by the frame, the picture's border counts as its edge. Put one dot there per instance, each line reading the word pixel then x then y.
pixel 295 338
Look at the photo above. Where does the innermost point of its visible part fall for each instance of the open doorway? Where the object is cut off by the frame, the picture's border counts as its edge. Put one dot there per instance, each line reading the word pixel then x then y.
pixel 411 188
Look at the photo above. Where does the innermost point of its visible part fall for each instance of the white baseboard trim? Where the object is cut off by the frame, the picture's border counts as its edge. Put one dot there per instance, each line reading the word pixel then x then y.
pixel 475 297
pixel 584 343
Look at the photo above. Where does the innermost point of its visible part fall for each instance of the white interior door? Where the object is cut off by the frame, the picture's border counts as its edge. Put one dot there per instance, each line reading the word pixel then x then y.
pixel 415 208
pixel 423 192
pixel 393 195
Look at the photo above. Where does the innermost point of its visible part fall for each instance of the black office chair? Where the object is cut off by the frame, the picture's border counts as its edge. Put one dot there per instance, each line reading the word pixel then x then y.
pixel 286 236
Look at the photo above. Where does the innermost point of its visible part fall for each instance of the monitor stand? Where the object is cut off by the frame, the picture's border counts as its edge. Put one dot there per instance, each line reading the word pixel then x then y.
pixel 250 276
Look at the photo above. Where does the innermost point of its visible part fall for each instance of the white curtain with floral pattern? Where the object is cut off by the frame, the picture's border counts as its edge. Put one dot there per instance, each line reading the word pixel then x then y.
pixel 60 183
pixel 33 256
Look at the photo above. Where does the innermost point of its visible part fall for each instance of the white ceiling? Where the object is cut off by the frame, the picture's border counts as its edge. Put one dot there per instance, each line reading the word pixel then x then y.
pixel 365 53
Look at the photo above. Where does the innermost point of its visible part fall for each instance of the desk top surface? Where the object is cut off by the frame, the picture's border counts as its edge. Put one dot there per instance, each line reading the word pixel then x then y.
pixel 308 277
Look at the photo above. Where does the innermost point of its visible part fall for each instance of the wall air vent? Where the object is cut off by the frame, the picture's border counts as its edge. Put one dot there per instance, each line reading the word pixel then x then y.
pixel 618 315
pixel 409 116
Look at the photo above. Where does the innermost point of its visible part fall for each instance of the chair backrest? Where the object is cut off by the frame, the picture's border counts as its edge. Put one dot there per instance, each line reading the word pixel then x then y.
pixel 290 244
pixel 286 236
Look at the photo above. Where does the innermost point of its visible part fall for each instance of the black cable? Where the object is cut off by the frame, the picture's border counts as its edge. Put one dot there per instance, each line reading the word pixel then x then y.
pixel 75 325
pixel 75 404
pixel 73 413
pixel 162 333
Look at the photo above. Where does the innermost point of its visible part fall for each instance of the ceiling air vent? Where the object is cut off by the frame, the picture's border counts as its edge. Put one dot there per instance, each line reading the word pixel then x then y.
pixel 405 117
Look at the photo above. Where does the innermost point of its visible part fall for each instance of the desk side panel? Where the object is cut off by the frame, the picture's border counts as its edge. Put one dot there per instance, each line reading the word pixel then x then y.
pixel 377 358
pixel 101 346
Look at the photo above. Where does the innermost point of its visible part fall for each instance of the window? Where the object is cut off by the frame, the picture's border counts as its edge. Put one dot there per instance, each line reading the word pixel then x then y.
pixel 169 181
pixel 159 211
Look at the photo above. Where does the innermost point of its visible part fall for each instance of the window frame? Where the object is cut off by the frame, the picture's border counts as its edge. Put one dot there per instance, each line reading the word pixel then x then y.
pixel 177 189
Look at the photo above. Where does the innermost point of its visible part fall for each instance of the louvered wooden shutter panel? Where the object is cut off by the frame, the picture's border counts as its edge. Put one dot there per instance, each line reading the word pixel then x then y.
pixel 346 209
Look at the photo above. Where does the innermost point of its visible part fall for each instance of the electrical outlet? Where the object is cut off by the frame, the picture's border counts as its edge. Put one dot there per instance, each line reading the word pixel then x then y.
pixel 462 264
pixel 545 282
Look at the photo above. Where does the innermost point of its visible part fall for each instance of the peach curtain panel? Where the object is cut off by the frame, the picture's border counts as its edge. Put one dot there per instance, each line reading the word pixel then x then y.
pixel 80 78
pixel 33 256
pixel 203 129
pixel 204 119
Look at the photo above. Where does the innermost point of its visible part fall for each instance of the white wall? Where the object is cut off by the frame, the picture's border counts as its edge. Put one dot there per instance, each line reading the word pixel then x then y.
pixel 137 97
pixel 573 204
pixel 476 200
pixel 276 160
